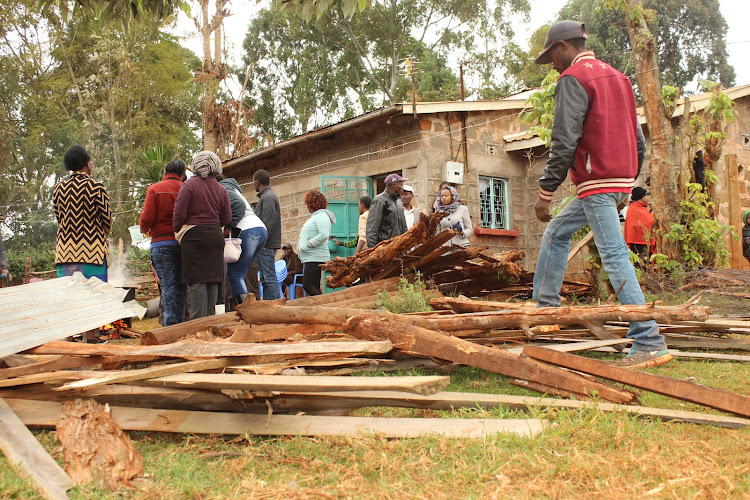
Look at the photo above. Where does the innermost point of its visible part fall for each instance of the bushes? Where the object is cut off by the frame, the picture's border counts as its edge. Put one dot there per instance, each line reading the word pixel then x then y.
pixel 42 259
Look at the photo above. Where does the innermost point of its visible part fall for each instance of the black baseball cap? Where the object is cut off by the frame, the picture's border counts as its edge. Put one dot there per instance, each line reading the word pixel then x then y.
pixel 564 30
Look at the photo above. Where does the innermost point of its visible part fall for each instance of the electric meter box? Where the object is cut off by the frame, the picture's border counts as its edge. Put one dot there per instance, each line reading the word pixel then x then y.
pixel 453 172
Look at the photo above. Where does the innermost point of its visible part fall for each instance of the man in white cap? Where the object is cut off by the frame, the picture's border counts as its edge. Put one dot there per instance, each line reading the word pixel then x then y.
pixel 386 218
pixel 597 139
pixel 411 213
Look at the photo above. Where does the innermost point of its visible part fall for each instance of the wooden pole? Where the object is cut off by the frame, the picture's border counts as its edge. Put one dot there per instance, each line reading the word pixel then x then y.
pixel 687 391
pixel 737 260
pixel 431 343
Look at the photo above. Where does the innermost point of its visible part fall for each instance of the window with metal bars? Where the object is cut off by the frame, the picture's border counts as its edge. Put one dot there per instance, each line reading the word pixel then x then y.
pixel 493 202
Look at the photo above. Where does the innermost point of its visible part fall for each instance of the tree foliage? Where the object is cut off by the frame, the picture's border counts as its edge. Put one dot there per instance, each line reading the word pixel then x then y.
pixel 690 38
pixel 304 75
pixel 86 82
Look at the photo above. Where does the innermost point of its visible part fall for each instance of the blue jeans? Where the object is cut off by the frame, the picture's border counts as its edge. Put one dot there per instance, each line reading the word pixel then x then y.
pixel 253 240
pixel 167 262
pixel 598 211
pixel 267 264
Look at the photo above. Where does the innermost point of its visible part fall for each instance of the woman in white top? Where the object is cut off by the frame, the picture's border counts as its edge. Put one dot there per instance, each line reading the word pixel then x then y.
pixel 248 227
pixel 458 216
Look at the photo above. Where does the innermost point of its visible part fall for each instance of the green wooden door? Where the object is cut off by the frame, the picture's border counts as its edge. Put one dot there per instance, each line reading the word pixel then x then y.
pixel 343 194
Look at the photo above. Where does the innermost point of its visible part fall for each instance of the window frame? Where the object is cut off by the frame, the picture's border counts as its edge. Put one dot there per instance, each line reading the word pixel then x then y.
pixel 505 224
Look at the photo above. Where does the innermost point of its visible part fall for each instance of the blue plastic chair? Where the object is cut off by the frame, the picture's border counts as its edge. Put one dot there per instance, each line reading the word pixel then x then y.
pixel 280 276
pixel 293 287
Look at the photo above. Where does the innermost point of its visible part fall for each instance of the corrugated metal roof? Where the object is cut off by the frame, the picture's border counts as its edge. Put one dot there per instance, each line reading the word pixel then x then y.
pixel 33 314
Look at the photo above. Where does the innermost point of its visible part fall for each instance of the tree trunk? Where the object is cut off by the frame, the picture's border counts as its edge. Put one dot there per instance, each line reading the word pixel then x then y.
pixel 664 195
pixel 94 446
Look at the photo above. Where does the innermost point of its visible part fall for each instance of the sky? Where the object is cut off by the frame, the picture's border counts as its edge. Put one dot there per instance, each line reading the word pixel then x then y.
pixel 735 12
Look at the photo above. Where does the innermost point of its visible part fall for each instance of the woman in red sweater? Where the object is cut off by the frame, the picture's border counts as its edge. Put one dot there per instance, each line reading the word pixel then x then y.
pixel 639 221
pixel 156 221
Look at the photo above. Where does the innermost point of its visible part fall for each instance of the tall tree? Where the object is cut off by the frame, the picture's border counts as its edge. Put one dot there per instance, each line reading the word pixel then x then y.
pixel 689 38
pixel 358 61
pixel 115 92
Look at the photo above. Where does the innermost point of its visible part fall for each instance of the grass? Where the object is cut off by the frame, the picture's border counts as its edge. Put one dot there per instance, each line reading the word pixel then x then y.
pixel 584 453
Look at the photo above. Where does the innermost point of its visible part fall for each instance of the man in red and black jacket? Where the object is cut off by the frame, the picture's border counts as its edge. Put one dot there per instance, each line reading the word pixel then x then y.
pixel 597 139
pixel 156 221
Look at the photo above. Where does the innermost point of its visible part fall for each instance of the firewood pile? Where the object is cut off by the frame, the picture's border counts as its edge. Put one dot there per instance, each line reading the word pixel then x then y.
pixel 254 370
pixel 452 270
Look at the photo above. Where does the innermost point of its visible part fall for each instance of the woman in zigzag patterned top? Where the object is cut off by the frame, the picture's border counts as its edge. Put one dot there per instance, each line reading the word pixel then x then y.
pixel 84 219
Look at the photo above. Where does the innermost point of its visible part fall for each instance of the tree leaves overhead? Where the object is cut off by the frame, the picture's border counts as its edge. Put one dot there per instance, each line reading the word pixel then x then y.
pixel 308 10
pixel 122 11
pixel 86 82
pixel 309 74
pixel 690 35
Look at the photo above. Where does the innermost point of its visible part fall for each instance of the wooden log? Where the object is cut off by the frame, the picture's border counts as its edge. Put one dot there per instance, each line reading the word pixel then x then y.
pixel 687 391
pixel 422 255
pixel 213 349
pixel 265 333
pixel 363 290
pixel 433 344
pixel 463 304
pixel 44 413
pixel 265 313
pixel 95 448
pixel 23 451
pixel 280 383
pixel 345 271
pixel 168 334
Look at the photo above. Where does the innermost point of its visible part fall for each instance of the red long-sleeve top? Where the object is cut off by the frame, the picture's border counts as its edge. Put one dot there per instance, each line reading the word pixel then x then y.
pixel 156 218
pixel 638 223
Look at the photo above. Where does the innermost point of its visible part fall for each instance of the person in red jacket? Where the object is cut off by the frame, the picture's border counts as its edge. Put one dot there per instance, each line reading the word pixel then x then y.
pixel 597 141
pixel 638 224
pixel 156 221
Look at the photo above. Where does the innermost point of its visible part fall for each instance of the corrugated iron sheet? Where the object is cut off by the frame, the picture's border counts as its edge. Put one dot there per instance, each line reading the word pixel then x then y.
pixel 33 314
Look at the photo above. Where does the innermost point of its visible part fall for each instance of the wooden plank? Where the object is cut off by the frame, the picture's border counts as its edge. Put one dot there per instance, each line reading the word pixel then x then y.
pixel 59 363
pixel 734 203
pixel 48 377
pixel 698 355
pixel 577 346
pixel 242 381
pixel 44 414
pixel 687 391
pixel 151 372
pixel 22 450
pixel 584 241
pixel 344 402
pixel 213 349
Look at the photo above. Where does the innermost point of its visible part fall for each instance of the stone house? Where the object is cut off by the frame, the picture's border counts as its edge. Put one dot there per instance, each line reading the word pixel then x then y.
pixel 495 167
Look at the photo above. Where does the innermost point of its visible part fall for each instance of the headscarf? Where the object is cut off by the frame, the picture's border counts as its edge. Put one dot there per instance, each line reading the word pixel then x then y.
pixel 453 205
pixel 746 217
pixel 206 163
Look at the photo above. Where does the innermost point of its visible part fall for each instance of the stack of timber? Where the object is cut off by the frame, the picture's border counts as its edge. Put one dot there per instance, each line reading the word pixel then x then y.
pixel 253 371
pixel 450 269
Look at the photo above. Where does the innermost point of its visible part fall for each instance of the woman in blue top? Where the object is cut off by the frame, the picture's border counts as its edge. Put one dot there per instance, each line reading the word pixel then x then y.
pixel 313 241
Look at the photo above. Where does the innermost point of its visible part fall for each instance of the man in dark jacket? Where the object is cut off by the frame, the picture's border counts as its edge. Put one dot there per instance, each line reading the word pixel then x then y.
pixel 386 218
pixel 596 137
pixel 269 211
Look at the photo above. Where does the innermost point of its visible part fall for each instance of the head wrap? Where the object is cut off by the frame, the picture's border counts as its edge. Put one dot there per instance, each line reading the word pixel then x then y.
pixel 746 217
pixel 206 163
pixel 453 205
